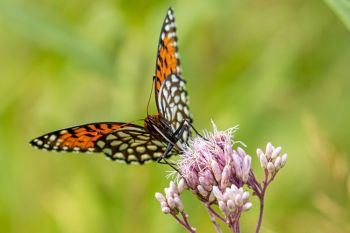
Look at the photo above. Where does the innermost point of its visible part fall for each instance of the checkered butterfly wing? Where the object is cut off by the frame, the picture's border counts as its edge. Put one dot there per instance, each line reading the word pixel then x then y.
pixel 167 61
pixel 173 105
pixel 131 145
pixel 118 141
pixel 171 95
pixel 80 138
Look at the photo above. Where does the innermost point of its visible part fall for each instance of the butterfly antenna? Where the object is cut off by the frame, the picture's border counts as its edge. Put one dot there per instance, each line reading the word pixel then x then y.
pixel 150 95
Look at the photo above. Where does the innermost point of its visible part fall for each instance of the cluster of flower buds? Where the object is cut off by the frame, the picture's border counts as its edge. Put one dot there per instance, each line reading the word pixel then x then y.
pixel 271 160
pixel 171 202
pixel 233 200
pixel 211 161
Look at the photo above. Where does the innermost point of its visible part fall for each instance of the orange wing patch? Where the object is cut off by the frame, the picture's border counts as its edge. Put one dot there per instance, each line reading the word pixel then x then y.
pixel 168 61
pixel 80 138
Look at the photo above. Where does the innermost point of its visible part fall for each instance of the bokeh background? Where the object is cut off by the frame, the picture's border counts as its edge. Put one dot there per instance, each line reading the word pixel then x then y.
pixel 279 69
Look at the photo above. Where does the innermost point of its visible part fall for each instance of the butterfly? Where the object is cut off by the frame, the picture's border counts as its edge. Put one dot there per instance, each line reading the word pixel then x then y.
pixel 162 135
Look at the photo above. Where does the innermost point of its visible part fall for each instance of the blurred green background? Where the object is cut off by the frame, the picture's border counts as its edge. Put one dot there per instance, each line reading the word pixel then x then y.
pixel 279 69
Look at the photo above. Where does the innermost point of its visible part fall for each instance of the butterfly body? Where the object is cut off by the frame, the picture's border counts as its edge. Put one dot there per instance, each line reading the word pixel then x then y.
pixel 160 128
pixel 132 143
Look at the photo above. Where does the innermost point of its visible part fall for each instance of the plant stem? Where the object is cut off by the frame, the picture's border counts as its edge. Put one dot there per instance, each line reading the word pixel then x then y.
pixel 262 200
pixel 211 210
pixel 261 214
pixel 212 215
pixel 184 224
pixel 184 216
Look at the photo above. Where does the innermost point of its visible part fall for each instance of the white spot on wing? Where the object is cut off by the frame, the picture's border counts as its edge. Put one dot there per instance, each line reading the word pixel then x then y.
pixel 119 155
pixel 101 144
pixel 132 158
pixel 173 90
pixel 116 143
pixel 63 131
pixel 174 78
pixel 107 151
pixel 140 149
pixel 53 137
pixel 179 117
pixel 145 157
pixel 39 142
pixel 111 137
pixel 183 97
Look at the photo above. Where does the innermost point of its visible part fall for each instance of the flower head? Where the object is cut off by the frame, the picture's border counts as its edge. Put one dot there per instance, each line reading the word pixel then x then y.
pixel 212 161
pixel 270 160
pixel 171 200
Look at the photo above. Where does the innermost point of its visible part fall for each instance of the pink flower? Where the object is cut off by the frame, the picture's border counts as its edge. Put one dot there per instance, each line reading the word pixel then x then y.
pixel 212 161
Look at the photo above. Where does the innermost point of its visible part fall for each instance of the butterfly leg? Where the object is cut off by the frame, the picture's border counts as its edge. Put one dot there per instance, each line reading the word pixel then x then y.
pixel 176 136
pixel 165 161
pixel 195 130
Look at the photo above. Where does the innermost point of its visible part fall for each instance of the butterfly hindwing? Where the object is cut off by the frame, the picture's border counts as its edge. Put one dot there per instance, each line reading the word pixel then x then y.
pixel 80 138
pixel 173 104
pixel 131 145
pixel 167 61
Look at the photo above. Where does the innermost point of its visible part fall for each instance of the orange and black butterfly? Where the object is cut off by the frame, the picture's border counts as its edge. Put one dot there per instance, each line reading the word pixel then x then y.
pixel 163 134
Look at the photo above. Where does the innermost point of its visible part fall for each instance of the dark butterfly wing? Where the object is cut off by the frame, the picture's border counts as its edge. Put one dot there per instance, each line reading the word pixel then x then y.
pixel 80 138
pixel 131 145
pixel 167 61
pixel 173 104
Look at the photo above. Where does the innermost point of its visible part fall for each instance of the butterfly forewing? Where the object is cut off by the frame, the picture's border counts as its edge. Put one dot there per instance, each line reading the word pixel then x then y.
pixel 167 61
pixel 170 88
pixel 132 145
pixel 80 138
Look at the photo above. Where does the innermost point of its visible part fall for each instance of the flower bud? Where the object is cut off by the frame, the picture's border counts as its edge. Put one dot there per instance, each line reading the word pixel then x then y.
pixel 171 202
pixel 269 149
pixel 211 196
pixel 246 168
pixel 216 170
pixel 234 188
pixel 222 206
pixel 228 153
pixel 238 200
pixel 276 152
pixel 164 204
pixel 259 153
pixel 263 161
pixel 172 187
pixel 231 205
pixel 218 193
pixel 225 177
pixel 247 206
pixel 270 167
pixel 277 163
pixel 166 210
pixel 160 197
pixel 245 196
pixel 241 152
pixel 284 160
pixel 202 191
pixel 182 185
pixel 204 183
pixel 167 192
pixel 179 204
